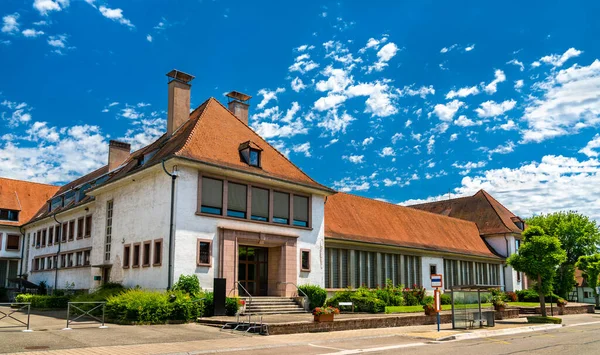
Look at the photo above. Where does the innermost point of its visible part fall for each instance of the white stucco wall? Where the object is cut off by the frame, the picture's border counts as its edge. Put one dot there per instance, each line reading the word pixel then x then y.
pixel 78 277
pixel 190 227
pixel 499 243
pixel 426 261
pixel 9 254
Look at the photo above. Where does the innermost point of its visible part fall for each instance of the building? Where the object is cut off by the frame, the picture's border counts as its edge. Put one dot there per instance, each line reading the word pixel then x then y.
pixel 499 228
pixel 582 292
pixel 19 200
pixel 211 197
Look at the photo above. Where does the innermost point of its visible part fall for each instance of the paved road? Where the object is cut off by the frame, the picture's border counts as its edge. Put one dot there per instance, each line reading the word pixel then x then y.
pixel 581 340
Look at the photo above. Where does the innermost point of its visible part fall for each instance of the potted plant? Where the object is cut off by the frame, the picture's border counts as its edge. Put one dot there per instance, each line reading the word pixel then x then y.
pixel 498 303
pixel 324 314
pixel 429 309
pixel 561 303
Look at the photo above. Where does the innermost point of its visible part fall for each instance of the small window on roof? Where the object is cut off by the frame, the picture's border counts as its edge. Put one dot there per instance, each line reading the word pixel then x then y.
pixel 251 153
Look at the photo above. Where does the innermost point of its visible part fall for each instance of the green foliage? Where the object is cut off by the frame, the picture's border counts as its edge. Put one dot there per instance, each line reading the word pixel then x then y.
pixel 103 293
pixel 43 288
pixel 316 295
pixel 538 319
pixel 152 307
pixel 531 295
pixel 446 299
pixel 590 265
pixel 413 296
pixel 428 300
pixel 538 257
pixel 188 283
pixel 232 305
pixel 369 300
pixel 43 301
pixel 511 296
pixel 578 235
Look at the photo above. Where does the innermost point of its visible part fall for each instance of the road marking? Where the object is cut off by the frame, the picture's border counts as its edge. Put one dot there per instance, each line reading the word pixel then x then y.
pixel 370 350
pixel 497 341
pixel 580 324
pixel 325 347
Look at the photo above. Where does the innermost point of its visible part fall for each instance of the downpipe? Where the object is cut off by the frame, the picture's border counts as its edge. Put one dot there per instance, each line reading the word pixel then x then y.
pixel 171 218
pixel 60 234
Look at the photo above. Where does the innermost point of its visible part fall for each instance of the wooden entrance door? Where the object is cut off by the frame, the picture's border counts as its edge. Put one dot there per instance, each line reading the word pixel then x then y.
pixel 252 270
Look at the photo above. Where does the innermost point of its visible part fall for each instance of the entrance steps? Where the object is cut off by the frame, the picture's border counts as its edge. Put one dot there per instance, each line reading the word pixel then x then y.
pixel 272 305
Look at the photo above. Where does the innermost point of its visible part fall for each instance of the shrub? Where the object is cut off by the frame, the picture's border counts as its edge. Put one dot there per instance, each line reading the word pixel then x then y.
pixel 427 300
pixel 540 319
pixel 43 288
pixel 101 294
pixel 511 296
pixel 316 295
pixel 209 307
pixel 232 304
pixel 152 307
pixel 188 283
pixel 43 301
pixel 445 299
pixel 413 296
pixel 367 304
pixel 532 296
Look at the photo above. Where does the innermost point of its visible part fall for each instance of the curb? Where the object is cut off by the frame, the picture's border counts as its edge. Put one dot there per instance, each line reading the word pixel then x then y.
pixel 493 333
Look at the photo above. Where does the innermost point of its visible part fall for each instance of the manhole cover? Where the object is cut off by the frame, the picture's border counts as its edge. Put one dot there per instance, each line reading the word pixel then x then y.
pixel 40 347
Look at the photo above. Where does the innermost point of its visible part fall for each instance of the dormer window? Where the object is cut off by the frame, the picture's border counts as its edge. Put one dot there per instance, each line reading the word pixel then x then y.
pixel 250 153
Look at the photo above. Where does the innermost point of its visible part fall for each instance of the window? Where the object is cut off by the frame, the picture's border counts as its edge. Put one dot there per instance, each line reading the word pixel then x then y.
pixel 300 211
pixel 12 242
pixel 260 204
pixel 204 252
pixel 305 260
pixel 70 260
pixel 432 269
pixel 56 234
pixel 86 257
pixel 146 254
pixel 63 260
pixel 79 259
pixel 68 198
pixel 56 203
pixel 80 228
pixel 71 230
pixel 250 153
pixel 518 276
pixel 517 244
pixel 281 207
pixel 44 238
pixel 237 195
pixel 88 226
pixel 254 158
pixel 212 196
pixel 587 294
pixel 136 255
pixel 50 235
pixel 108 240
pixel 64 232
pixel 157 261
pixel 126 256
pixel 9 215
pixel 33 240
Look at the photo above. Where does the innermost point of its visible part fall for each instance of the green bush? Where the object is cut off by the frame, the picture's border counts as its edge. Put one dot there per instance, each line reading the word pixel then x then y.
pixel 152 307
pixel 43 301
pixel 540 319
pixel 101 294
pixel 232 305
pixel 532 296
pixel 427 300
pixel 188 283
pixel 445 298
pixel 316 295
pixel 413 296
pixel 364 300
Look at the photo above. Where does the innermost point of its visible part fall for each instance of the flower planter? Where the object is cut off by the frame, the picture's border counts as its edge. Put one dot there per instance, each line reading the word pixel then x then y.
pixel 561 309
pixel 324 318
pixel 499 308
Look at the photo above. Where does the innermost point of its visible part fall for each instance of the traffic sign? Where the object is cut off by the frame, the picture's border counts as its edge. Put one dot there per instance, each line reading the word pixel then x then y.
pixel 436 280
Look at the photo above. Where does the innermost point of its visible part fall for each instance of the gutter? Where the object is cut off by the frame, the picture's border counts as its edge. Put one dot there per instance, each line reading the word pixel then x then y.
pixel 171 232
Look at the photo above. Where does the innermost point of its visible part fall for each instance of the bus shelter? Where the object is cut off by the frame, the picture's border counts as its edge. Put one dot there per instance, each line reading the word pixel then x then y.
pixel 471 306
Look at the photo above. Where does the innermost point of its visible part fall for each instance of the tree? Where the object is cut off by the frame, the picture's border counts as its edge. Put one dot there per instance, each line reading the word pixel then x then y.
pixel 578 235
pixel 539 257
pixel 590 265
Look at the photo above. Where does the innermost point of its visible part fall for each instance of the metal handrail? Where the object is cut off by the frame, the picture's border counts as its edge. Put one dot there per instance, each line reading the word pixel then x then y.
pixel 248 293
pixel 306 299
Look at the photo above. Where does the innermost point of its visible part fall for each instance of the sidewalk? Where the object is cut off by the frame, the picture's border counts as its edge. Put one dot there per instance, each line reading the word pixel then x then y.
pixel 228 341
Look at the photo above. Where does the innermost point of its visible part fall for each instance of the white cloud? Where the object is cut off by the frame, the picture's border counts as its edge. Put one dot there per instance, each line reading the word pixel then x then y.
pixel 347 184
pixel 10 23
pixel 20 113
pixel 462 92
pixel 517 63
pixel 356 159
pixel 590 146
pixel 367 141
pixel 446 112
pixel 58 41
pixel 149 38
pixel 407 123
pixel 519 85
pixel 387 152
pixel 468 166
pixel 373 43
pixel 384 55
pixel 270 130
pixel 337 80
pixel 570 102
pixel 448 49
pixel 430 144
pixel 508 126
pixel 469 48
pixel 297 84
pixel 396 137
pixel 556 183
pixel 328 102
pixel 423 91
pixel 463 121
pixel 492 87
pixel 335 123
pixel 303 148
pixel 47 6
pixel 557 60
pixel 32 33
pixel 509 147
pixel 453 137
pixel 380 98
pixel 494 109
pixel 115 15
pixel 268 96
pixel 304 47
pixel 303 64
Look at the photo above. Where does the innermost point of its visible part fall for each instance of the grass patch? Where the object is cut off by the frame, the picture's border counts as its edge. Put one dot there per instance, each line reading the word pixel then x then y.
pixel 539 319
pixel 418 309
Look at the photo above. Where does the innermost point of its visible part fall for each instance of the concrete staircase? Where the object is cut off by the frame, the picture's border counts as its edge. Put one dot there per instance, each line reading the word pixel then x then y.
pixel 272 305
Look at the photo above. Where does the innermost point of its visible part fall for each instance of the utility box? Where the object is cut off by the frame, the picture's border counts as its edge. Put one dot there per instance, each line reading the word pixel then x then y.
pixel 219 295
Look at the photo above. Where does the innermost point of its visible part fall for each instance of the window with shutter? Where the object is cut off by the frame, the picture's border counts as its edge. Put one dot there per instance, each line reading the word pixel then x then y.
pixel 281 207
pixel 260 204
pixel 237 195
pixel 300 211
pixel 212 196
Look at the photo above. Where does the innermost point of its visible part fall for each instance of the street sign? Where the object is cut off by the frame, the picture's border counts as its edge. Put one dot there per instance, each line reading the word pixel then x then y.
pixel 436 280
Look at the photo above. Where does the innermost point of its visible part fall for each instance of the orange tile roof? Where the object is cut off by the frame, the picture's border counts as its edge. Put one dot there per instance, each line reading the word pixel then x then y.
pixel 25 197
pixel 360 219
pixel 490 215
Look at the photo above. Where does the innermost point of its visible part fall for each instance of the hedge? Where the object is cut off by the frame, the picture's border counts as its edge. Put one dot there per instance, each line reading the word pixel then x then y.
pixel 540 319
pixel 316 295
pixel 43 301
pixel 232 305
pixel 532 296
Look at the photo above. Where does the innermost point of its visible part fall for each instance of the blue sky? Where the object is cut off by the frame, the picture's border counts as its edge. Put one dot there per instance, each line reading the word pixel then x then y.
pixel 401 101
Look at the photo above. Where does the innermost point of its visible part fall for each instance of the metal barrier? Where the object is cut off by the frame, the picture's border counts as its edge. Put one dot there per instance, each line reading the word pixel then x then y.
pixel 20 307
pixel 85 313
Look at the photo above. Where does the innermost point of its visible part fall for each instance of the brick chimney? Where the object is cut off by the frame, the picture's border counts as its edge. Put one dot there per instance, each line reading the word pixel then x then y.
pixel 238 105
pixel 118 152
pixel 178 110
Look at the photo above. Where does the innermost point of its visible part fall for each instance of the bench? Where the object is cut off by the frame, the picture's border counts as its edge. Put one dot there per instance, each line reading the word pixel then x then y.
pixel 346 304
